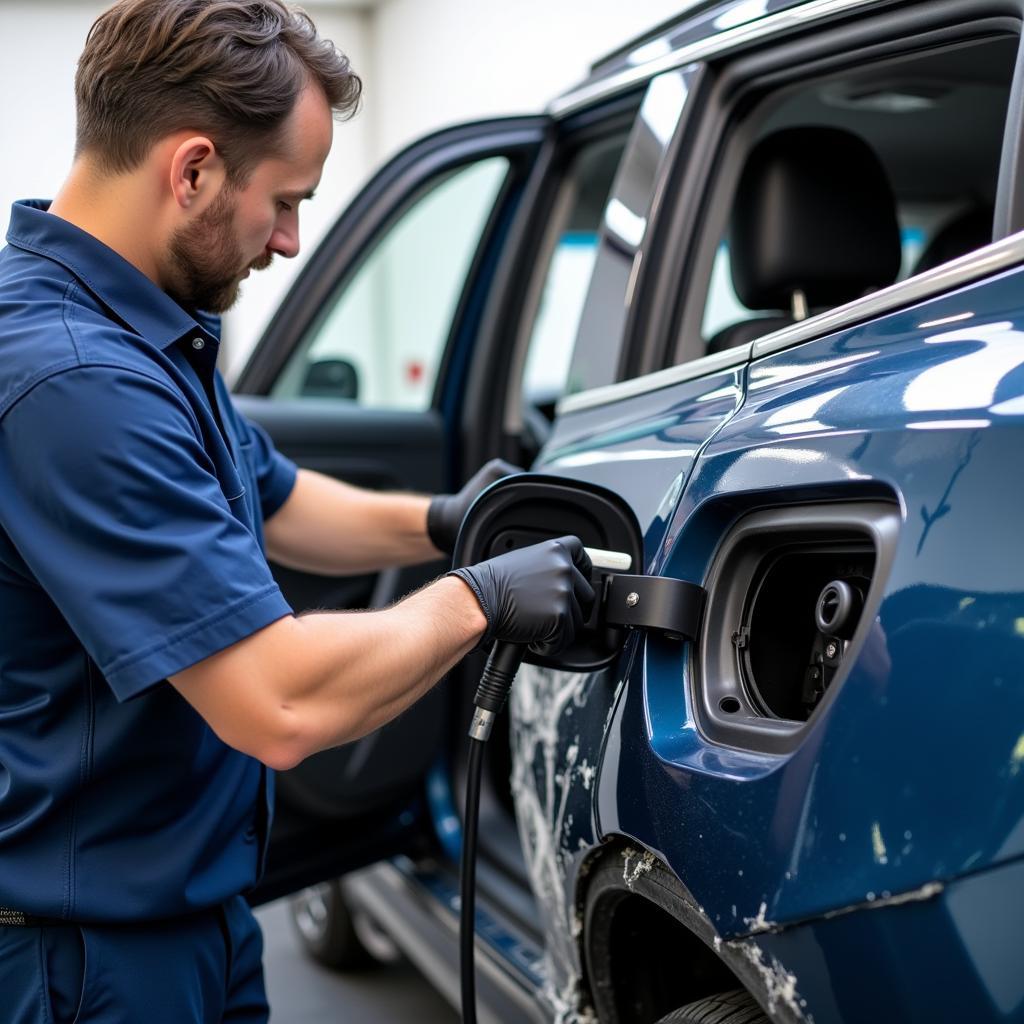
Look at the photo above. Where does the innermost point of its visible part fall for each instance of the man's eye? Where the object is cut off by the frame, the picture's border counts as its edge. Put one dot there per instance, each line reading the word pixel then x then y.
pixel 284 206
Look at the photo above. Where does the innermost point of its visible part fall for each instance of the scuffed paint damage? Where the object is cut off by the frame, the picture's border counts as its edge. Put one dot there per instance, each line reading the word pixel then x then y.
pixel 778 984
pixel 635 864
pixel 759 923
pixel 886 899
pixel 553 774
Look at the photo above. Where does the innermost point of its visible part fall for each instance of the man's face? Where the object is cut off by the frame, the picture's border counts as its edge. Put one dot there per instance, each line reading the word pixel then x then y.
pixel 244 227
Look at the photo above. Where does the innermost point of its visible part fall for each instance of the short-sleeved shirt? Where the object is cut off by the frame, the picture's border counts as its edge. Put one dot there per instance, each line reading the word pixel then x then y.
pixel 132 498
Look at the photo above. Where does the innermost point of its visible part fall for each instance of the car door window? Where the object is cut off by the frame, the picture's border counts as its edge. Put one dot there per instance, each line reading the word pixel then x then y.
pixel 380 339
pixel 631 204
pixel 552 332
pixel 933 122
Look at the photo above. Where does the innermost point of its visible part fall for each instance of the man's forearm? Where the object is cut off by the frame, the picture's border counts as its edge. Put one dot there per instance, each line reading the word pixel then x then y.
pixel 305 684
pixel 334 529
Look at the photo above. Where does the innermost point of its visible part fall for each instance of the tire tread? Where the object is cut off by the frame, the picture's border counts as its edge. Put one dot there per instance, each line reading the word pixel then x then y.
pixel 737 1007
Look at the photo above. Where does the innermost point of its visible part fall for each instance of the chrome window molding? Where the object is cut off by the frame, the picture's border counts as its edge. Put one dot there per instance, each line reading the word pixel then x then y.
pixel 1002 255
pixel 712 46
pixel 991 259
pixel 654 381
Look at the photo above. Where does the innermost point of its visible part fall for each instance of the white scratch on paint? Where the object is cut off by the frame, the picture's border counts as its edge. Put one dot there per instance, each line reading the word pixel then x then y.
pixel 878 844
pixel 635 864
pixel 759 923
pixel 544 774
pixel 779 984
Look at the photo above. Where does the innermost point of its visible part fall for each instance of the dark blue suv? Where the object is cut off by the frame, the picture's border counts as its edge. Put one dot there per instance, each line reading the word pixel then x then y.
pixel 761 276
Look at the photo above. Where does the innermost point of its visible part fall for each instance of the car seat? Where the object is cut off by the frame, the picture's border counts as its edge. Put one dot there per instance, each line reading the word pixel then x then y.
pixel 813 226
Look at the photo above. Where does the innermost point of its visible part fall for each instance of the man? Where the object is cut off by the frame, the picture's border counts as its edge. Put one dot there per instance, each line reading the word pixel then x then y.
pixel 150 670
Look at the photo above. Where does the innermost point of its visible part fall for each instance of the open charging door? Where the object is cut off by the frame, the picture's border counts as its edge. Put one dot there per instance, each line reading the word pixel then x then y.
pixel 528 508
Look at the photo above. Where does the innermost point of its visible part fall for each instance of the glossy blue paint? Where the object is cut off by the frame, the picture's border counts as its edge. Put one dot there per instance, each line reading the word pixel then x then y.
pixel 913 771
pixel 444 815
pixel 644 447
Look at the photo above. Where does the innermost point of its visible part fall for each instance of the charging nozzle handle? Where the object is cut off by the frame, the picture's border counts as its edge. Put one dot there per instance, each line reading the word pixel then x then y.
pixel 492 691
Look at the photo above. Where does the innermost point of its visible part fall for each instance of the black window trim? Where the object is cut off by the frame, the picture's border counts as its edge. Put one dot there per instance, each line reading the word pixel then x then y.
pixel 482 433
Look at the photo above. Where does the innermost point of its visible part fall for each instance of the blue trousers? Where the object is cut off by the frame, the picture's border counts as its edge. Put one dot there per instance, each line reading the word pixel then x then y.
pixel 204 970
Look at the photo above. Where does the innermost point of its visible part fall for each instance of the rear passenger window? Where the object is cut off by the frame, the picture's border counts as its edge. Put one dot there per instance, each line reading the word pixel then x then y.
pixel 840 186
pixel 553 329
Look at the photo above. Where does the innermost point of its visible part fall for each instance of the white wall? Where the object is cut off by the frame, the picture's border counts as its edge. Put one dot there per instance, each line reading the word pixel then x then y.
pixel 39 46
pixel 344 172
pixel 425 64
pixel 439 61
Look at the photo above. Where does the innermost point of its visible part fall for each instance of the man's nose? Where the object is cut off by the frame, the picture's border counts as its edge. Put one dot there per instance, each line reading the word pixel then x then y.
pixel 284 242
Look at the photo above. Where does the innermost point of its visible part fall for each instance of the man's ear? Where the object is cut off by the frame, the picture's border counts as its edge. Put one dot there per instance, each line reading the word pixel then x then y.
pixel 197 173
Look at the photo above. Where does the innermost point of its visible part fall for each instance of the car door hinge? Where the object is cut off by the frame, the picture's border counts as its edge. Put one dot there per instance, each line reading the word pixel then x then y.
pixel 667 606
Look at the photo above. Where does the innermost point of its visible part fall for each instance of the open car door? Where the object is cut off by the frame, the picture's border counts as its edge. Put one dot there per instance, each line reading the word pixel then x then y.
pixel 360 375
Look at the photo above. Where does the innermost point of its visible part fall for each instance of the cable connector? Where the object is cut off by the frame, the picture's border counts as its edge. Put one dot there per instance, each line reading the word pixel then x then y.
pixel 492 691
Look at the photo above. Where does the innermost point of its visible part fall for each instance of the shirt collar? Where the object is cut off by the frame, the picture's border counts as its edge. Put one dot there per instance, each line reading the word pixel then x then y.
pixel 136 300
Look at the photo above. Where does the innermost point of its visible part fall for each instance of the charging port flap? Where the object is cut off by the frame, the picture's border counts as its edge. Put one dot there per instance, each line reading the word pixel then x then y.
pixel 530 507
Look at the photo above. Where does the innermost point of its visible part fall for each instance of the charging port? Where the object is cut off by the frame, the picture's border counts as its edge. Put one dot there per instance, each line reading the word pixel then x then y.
pixel 788 597
pixel 802 600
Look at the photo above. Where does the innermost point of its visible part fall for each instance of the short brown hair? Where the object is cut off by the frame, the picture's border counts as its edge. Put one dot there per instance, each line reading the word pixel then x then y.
pixel 232 69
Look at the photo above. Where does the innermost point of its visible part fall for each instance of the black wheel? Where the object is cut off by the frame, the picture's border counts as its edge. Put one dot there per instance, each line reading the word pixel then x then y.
pixel 336 934
pixel 736 1007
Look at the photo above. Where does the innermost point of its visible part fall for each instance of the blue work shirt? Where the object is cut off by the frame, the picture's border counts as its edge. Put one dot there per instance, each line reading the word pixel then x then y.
pixel 132 497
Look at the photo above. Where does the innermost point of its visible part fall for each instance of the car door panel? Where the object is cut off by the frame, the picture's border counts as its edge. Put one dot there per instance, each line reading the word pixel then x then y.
pixel 379 449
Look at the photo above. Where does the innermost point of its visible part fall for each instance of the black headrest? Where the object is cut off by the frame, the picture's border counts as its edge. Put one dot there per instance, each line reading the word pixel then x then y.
pixel 814 211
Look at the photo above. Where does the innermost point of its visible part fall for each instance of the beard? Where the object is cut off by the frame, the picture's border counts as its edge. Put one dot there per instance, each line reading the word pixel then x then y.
pixel 207 262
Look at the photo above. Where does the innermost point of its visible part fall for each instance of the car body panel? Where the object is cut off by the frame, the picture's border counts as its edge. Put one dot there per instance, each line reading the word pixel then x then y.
pixel 924 405
pixel 952 956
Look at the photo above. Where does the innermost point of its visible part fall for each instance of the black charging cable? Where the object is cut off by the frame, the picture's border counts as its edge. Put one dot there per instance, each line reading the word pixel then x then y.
pixel 491 694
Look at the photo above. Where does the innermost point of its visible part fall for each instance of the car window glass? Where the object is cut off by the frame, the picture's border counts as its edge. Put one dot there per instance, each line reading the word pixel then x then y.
pixel 935 124
pixel 598 349
pixel 380 339
pixel 553 332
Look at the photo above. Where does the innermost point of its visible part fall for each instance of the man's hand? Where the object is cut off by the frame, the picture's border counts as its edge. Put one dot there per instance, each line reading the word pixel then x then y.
pixel 446 511
pixel 536 595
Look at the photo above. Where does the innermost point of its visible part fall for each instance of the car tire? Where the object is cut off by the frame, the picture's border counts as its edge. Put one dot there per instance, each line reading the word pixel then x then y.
pixel 738 1007
pixel 329 931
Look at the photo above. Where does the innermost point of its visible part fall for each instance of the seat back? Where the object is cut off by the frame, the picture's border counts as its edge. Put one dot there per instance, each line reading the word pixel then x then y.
pixel 815 214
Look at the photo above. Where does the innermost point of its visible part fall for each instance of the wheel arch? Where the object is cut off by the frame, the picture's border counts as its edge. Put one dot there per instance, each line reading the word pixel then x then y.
pixel 647 946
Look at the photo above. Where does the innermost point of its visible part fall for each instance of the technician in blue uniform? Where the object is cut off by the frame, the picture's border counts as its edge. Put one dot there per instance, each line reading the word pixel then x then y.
pixel 150 670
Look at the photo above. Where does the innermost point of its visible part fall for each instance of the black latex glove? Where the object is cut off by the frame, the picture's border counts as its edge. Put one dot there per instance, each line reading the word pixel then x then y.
pixel 446 511
pixel 536 595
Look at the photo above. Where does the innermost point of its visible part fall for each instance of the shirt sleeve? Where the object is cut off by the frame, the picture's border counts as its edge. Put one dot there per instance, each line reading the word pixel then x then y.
pixel 114 505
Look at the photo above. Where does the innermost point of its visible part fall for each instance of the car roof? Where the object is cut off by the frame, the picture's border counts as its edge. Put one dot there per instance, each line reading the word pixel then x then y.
pixel 680 40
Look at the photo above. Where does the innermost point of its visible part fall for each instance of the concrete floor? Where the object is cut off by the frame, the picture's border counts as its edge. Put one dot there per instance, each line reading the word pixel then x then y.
pixel 302 992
